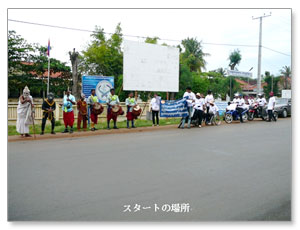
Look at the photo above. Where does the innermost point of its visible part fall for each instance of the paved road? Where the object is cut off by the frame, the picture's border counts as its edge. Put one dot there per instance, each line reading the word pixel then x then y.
pixel 231 172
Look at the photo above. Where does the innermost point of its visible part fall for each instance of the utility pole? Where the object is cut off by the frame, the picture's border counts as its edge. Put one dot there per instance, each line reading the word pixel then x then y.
pixel 259 51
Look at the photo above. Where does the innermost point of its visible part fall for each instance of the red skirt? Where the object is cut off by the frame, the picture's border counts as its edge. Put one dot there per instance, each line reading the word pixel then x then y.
pixel 68 118
pixel 94 118
pixel 130 116
pixel 110 115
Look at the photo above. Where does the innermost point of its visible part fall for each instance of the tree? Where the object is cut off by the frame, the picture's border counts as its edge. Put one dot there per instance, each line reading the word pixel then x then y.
pixel 74 61
pixel 270 79
pixel 151 40
pixel 193 55
pixel 286 72
pixel 27 65
pixel 235 58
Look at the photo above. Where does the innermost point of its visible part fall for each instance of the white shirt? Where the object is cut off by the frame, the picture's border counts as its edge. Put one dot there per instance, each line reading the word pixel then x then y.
pixel 261 101
pixel 154 104
pixel 271 103
pixel 191 96
pixel 250 101
pixel 241 103
pixel 213 109
pixel 198 104
pixel 236 100
pixel 208 98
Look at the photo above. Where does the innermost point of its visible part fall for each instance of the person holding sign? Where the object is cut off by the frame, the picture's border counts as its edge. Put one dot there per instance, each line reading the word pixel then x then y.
pixel 155 101
pixel 190 96
pixel 130 103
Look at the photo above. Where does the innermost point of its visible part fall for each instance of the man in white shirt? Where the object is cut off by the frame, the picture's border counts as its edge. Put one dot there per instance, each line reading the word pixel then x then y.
pixel 199 105
pixel 190 96
pixel 236 98
pixel 261 103
pixel 271 107
pixel 155 102
pixel 251 100
pixel 240 107
pixel 209 97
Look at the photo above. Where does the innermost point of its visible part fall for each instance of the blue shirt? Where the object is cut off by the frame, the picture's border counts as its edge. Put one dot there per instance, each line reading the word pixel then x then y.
pixel 67 105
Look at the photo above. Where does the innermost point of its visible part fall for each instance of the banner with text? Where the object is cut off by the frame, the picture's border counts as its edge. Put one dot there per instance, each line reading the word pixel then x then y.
pixel 173 108
pixel 101 84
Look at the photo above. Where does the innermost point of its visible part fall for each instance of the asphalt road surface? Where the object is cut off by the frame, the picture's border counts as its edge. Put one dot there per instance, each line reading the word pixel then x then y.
pixel 233 172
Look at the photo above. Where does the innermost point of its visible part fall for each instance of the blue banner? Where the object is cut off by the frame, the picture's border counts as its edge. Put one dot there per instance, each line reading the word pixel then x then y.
pixel 173 108
pixel 221 106
pixel 101 84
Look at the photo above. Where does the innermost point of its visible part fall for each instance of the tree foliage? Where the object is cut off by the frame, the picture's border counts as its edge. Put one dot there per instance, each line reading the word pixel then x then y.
pixel 26 65
pixel 235 58
pixel 193 55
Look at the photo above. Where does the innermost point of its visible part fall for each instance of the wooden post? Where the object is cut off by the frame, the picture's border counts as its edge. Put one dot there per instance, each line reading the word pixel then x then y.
pixel 135 95
pixel 167 96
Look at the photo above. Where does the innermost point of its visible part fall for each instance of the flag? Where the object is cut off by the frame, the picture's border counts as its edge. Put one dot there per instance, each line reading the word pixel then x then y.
pixel 48 50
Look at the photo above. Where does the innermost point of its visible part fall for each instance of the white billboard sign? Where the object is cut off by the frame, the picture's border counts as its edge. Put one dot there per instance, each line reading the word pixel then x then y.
pixel 149 67
pixel 239 73
pixel 286 93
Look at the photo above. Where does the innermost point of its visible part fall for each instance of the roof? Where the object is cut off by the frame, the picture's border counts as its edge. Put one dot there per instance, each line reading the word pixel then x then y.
pixel 248 87
pixel 45 74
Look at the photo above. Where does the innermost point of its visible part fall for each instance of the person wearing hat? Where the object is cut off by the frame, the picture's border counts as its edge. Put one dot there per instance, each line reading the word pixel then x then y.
pixel 199 106
pixel 48 107
pixel 208 98
pixel 213 110
pixel 25 112
pixel 82 112
pixel 112 101
pixel 271 107
pixel 68 113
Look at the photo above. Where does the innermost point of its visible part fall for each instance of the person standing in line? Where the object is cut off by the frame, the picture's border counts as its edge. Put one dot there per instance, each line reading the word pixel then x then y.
pixel 25 112
pixel 112 101
pixel 271 107
pixel 190 96
pixel 209 97
pixel 68 113
pixel 92 99
pixel 154 104
pixel 48 106
pixel 82 113
pixel 130 103
pixel 199 105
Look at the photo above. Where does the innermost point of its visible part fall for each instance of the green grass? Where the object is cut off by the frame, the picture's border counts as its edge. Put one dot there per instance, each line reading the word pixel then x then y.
pixel 102 124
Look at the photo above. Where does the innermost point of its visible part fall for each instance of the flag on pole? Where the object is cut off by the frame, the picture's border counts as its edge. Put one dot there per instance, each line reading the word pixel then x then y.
pixel 48 50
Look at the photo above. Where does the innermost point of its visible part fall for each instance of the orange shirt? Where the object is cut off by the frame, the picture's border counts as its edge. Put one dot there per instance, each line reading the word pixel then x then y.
pixel 82 107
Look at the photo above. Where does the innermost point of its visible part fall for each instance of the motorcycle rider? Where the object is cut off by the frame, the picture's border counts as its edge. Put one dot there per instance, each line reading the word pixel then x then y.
pixel 261 103
pixel 240 107
pixel 199 106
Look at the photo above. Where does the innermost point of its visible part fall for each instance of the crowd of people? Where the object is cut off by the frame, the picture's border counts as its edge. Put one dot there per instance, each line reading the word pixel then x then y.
pixel 202 108
pixel 87 108
pixel 198 106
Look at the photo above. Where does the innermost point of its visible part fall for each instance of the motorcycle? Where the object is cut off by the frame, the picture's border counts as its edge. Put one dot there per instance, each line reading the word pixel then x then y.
pixel 233 115
pixel 256 112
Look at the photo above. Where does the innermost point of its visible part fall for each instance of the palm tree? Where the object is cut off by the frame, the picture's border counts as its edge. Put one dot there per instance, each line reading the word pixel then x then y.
pixel 193 54
pixel 286 72
pixel 235 58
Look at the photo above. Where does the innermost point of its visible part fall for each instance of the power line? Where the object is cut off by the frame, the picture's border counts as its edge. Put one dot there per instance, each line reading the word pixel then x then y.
pixel 276 51
pixel 136 36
